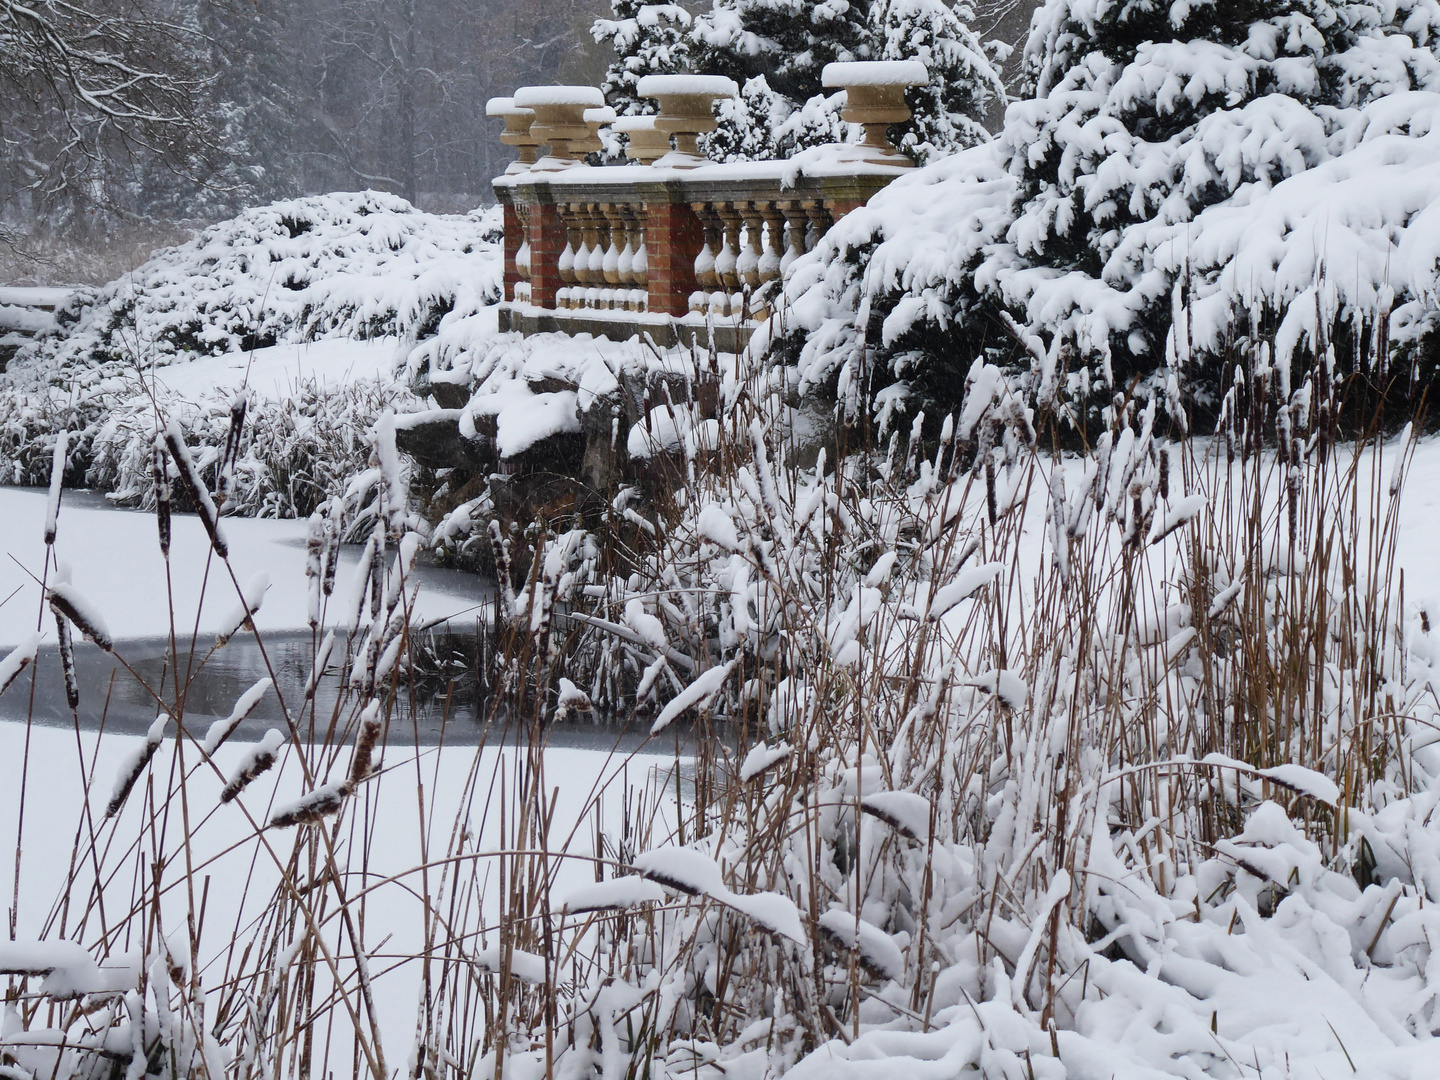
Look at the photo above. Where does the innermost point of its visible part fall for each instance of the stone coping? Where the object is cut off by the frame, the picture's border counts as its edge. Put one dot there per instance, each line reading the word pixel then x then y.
pixel 693 328
pixel 783 174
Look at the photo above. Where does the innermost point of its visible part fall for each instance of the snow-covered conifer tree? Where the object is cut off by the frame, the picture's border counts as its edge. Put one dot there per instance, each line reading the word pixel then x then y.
pixel 749 124
pixel 787 41
pixel 963 85
pixel 1133 181
pixel 648 39
pixel 776 50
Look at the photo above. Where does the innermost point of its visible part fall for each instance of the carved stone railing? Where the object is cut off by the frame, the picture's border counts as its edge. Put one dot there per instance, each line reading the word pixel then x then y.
pixel 675 247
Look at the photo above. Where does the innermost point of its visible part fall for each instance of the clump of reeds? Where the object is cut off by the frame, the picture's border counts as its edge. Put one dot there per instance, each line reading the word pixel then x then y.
pixel 288 988
pixel 944 669
pixel 950 720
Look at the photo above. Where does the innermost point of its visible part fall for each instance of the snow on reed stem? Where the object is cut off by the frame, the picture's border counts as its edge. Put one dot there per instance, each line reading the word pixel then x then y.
pixel 17 660
pixel 160 474
pixel 69 603
pixel 194 486
pixel 57 480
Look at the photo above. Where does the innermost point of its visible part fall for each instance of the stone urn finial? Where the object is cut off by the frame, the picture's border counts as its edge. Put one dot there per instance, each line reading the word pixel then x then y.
pixel 595 119
pixel 517 131
pixel 560 120
pixel 644 142
pixel 686 110
pixel 875 99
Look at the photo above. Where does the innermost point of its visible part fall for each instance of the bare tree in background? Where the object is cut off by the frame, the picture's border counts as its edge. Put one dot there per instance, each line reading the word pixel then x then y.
pixel 396 88
pixel 87 89
pixel 1008 22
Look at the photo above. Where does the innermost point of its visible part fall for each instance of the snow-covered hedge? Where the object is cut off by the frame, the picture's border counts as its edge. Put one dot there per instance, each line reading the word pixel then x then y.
pixel 349 265
pixel 1180 170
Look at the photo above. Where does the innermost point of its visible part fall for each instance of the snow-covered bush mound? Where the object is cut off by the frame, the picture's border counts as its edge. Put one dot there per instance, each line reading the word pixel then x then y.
pixel 232 311
pixel 1181 170
pixel 351 264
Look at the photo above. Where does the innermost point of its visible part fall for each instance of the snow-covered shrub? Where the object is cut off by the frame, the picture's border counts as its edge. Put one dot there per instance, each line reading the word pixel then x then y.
pixel 294 452
pixel 1179 170
pixel 350 264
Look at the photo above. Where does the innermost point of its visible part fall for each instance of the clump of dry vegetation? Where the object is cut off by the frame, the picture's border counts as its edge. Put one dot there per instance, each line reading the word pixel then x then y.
pixel 1023 762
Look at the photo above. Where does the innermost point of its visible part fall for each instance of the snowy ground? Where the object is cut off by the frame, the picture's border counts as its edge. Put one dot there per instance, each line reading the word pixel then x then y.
pixel 279 370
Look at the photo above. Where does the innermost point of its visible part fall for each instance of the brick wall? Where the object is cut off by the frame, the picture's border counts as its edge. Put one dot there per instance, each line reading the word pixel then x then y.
pixel 673 238
pixel 547 241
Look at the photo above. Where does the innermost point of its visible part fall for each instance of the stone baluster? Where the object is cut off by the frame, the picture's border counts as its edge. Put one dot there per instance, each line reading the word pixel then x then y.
pixel 795 224
pixel 726 262
pixel 639 264
pixel 769 263
pixel 819 224
pixel 615 240
pixel 595 243
pixel 747 266
pixel 582 253
pixel 567 257
pixel 625 261
pixel 774 243
pixel 706 280
pixel 511 242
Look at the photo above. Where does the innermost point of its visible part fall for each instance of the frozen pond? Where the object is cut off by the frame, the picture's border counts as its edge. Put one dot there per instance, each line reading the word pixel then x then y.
pixel 115 561
pixel 449 708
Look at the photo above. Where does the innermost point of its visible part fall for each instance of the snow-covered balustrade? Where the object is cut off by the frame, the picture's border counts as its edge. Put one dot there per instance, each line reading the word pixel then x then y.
pixel 671 244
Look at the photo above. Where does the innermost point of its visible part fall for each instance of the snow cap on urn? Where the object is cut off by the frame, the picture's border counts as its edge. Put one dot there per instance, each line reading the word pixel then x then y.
pixel 560 120
pixel 517 130
pixel 875 99
pixel 687 110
